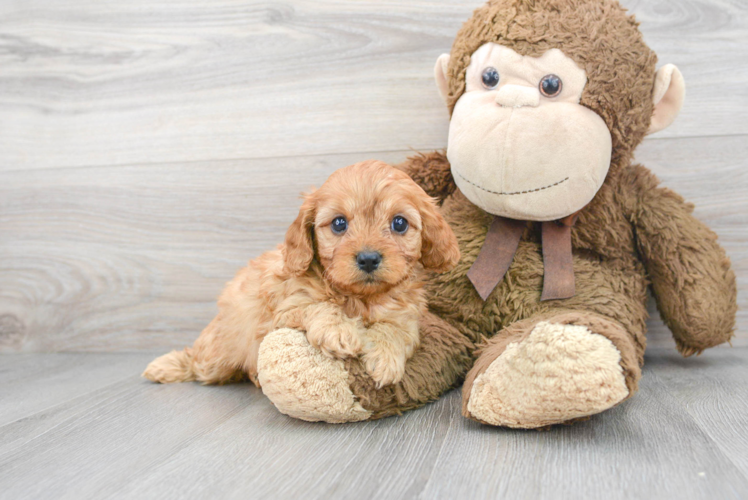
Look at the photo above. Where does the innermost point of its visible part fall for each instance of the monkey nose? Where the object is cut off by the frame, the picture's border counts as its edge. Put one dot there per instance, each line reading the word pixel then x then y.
pixel 518 96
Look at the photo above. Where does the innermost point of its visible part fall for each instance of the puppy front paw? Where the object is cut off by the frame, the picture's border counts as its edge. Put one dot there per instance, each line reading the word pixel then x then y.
pixel 337 341
pixel 384 364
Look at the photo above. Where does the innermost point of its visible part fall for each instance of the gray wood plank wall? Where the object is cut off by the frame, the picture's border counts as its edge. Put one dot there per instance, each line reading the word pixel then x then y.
pixel 149 148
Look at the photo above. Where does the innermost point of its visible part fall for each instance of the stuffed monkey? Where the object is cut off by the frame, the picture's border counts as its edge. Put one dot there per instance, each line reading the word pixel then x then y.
pixel 561 235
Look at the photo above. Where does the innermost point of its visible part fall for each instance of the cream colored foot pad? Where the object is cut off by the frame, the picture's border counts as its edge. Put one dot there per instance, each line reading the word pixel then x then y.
pixel 558 373
pixel 304 383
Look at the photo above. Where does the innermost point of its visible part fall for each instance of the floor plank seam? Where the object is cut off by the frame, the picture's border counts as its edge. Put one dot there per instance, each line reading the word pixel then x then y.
pixel 717 442
pixel 176 449
pixel 178 163
pixel 305 155
pixel 362 440
pixel 452 415
pixel 686 414
pixel 90 395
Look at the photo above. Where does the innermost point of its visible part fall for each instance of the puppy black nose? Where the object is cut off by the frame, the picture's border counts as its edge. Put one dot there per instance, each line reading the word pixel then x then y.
pixel 368 261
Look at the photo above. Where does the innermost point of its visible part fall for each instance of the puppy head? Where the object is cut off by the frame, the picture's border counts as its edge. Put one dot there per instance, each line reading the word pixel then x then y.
pixel 368 226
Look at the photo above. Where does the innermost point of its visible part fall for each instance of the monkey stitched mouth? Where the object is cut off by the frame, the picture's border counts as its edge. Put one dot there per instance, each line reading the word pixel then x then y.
pixel 515 192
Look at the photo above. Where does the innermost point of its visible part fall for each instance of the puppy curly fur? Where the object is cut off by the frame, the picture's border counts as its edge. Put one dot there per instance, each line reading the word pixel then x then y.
pixel 313 283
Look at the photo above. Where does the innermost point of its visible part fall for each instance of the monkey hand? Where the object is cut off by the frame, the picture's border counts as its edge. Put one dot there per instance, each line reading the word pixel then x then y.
pixel 692 279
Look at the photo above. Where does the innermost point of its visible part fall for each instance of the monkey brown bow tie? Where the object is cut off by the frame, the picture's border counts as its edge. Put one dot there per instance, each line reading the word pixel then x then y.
pixel 501 243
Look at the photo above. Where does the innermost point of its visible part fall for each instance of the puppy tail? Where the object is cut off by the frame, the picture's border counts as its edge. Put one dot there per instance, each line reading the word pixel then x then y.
pixel 177 366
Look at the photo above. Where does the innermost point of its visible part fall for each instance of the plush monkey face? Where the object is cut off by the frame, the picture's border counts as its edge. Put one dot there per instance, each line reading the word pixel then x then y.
pixel 549 99
pixel 520 144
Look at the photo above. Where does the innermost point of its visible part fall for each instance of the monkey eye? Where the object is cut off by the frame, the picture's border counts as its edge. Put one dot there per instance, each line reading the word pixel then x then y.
pixel 490 78
pixel 339 225
pixel 551 85
pixel 399 224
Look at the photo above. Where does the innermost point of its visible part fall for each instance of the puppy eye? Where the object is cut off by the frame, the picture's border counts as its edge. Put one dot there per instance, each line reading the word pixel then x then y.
pixel 339 225
pixel 490 78
pixel 551 85
pixel 399 225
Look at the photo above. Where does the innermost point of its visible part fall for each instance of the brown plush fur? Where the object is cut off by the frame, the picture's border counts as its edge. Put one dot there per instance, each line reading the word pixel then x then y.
pixel 438 364
pixel 632 235
pixel 312 283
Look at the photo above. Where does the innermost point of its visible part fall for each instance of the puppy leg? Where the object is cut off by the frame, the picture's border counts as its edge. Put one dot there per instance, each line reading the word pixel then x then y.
pixel 332 332
pixel 211 361
pixel 387 347
pixel 169 368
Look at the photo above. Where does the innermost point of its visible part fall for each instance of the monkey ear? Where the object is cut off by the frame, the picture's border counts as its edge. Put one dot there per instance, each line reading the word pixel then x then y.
pixel 669 93
pixel 439 249
pixel 298 250
pixel 440 74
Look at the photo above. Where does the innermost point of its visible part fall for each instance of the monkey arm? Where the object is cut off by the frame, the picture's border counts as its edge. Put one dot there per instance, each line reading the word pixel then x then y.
pixel 692 280
pixel 432 172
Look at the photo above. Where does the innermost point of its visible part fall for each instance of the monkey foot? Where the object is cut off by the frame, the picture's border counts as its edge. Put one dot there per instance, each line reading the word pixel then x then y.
pixel 557 373
pixel 304 383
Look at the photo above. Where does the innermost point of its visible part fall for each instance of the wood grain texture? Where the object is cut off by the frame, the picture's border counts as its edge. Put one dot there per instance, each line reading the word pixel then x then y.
pixel 89 83
pixel 149 149
pixel 34 383
pixel 715 398
pixel 134 439
pixel 133 258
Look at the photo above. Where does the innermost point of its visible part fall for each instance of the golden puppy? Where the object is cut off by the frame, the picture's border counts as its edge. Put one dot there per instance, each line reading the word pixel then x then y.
pixel 349 274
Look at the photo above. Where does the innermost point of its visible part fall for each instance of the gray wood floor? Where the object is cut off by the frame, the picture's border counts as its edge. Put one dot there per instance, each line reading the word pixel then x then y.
pixel 86 426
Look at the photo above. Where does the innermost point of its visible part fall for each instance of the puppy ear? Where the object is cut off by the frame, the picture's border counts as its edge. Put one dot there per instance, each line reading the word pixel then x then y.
pixel 298 251
pixel 439 249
